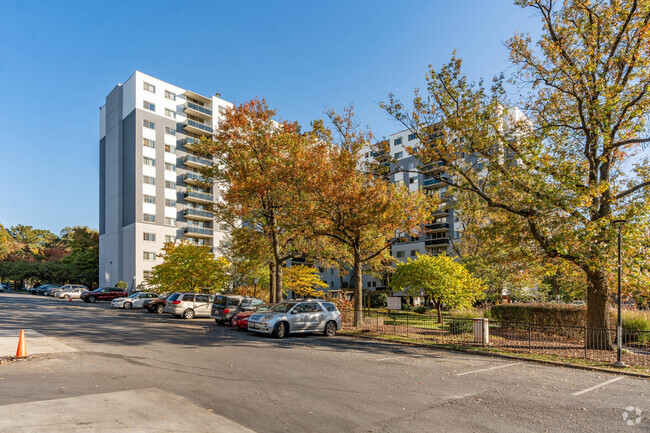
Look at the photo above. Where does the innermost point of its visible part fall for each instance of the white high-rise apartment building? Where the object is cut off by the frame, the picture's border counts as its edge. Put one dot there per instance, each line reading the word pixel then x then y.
pixel 148 173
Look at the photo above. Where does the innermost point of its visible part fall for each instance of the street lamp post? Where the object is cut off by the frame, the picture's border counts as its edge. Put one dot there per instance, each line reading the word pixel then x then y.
pixel 619 325
pixel 256 280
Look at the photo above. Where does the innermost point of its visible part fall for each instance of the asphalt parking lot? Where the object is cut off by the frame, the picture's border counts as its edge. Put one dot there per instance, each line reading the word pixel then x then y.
pixel 133 370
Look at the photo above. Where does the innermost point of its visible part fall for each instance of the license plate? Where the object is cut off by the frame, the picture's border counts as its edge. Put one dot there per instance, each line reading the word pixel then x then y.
pixel 255 325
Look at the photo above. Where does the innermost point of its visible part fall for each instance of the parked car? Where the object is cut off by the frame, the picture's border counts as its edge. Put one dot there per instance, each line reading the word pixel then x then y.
pixel 135 300
pixel 104 294
pixel 225 307
pixel 296 316
pixel 240 319
pixel 6 286
pixel 72 293
pixel 156 305
pixel 189 305
pixel 44 288
pixel 65 288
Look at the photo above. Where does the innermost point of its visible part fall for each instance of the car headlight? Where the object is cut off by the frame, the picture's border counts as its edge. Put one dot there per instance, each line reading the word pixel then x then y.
pixel 267 317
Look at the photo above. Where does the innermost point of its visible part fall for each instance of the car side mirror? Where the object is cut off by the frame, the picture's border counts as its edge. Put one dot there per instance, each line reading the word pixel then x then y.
pixel 294 312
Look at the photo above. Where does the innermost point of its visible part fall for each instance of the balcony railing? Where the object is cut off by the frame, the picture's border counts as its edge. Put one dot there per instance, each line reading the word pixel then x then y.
pixel 201 196
pixel 431 181
pixel 198 125
pixel 192 178
pixel 195 160
pixel 190 141
pixel 431 242
pixel 197 214
pixel 197 107
pixel 437 226
pixel 199 231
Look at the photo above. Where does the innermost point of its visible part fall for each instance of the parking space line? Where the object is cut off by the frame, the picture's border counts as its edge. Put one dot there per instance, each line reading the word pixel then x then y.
pixel 388 359
pixel 487 369
pixel 600 385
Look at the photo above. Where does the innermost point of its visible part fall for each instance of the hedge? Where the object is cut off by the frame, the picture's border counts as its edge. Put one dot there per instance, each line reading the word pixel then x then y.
pixel 544 314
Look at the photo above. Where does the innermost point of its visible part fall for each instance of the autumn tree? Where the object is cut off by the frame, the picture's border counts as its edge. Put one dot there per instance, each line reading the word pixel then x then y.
pixel 359 211
pixel 304 281
pixel 440 278
pixel 568 167
pixel 189 268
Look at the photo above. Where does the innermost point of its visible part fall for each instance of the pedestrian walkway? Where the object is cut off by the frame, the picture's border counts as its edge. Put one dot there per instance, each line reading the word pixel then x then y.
pixel 35 343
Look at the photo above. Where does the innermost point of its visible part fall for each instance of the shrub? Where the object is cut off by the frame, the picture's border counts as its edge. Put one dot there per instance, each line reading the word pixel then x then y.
pixel 421 309
pixel 407 307
pixel 544 314
pixel 122 285
pixel 636 321
pixel 467 314
pixel 378 299
pixel 460 326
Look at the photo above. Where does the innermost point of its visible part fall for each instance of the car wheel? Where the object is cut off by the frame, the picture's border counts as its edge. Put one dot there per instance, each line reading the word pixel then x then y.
pixel 330 329
pixel 91 299
pixel 66 297
pixel 280 329
pixel 160 309
pixel 188 314
pixel 232 321
pixel 218 322
pixel 128 305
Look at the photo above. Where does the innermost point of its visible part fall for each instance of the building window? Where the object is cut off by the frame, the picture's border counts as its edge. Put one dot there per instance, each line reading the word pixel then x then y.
pixel 149 180
pixel 413 179
pixel 170 113
pixel 149 161
pixel 149 199
pixel 170 184
pixel 170 221
pixel 149 87
pixel 397 141
pixel 412 137
pixel 170 149
pixel 223 227
pixel 149 218
pixel 414 253
pixel 400 254
pixel 222 109
pixel 148 255
pixel 399 155
pixel 170 203
pixel 170 95
pixel 415 239
pixel 146 275
pixel 369 285
pixel 169 238
pixel 170 167
pixel 169 130
pixel 149 105
pixel 148 143
pixel 149 124
pixel 150 237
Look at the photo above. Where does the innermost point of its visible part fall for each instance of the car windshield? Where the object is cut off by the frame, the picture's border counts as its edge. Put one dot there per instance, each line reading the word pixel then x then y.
pixel 135 295
pixel 283 307
pixel 263 308
pixel 221 300
pixel 174 297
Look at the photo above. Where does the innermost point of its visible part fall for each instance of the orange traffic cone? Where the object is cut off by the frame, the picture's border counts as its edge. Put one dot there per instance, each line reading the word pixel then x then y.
pixel 21 352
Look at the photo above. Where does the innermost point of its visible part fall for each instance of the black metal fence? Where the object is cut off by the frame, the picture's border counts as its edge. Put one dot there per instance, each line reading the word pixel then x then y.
pixel 569 341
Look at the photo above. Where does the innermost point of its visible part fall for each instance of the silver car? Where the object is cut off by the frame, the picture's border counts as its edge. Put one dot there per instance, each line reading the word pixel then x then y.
pixel 135 300
pixel 297 316
pixel 72 293
pixel 189 305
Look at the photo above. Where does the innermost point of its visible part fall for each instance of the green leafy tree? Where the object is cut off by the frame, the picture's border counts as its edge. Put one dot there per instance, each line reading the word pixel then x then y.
pixel 189 268
pixel 440 278
pixel 7 243
pixel 83 245
pixel 572 165
pixel 304 281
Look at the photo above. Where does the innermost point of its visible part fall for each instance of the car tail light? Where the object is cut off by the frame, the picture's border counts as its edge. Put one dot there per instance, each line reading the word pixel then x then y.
pixel 226 311
pixel 176 302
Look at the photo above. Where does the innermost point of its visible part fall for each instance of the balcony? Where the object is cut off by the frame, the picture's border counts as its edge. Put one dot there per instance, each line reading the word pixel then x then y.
pixel 198 197
pixel 190 142
pixel 437 226
pixel 195 127
pixel 440 212
pixel 198 232
pixel 193 178
pixel 434 183
pixel 436 242
pixel 198 215
pixel 433 167
pixel 195 161
pixel 197 110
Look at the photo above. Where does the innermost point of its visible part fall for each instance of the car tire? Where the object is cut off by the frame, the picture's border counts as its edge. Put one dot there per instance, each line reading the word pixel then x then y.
pixel 280 330
pixel 188 314
pixel 91 299
pixel 330 329
pixel 160 309
pixel 127 305
pixel 85 300
pixel 66 297
pixel 232 321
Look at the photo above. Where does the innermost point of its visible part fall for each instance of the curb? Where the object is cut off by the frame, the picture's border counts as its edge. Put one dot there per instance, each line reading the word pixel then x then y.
pixel 500 355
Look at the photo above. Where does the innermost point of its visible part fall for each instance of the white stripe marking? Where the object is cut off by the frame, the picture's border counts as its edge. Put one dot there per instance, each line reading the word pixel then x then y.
pixel 388 359
pixel 600 385
pixel 487 369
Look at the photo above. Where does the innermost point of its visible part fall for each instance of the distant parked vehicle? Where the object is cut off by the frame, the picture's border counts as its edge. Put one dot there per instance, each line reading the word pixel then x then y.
pixel 42 290
pixel 189 305
pixel 65 288
pixel 156 305
pixel 72 293
pixel 136 300
pixel 240 319
pixel 225 307
pixel 295 316
pixel 103 294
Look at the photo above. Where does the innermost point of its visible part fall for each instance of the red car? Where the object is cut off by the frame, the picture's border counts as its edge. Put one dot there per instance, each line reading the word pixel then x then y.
pixel 104 294
pixel 240 320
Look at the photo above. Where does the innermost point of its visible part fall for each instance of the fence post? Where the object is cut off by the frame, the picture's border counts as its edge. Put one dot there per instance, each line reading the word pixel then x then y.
pixel 481 331
pixel 377 322
pixel 394 323
pixel 585 342
pixel 530 348
pixel 407 325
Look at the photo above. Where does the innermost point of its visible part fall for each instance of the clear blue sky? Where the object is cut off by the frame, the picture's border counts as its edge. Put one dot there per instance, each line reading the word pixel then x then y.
pixel 59 60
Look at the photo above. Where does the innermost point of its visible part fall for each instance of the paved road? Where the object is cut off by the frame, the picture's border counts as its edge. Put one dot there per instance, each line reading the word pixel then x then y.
pixel 131 369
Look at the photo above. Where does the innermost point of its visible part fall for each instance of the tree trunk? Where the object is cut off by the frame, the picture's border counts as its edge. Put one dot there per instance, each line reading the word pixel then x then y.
pixel 278 282
pixel 598 312
pixel 272 283
pixel 358 291
pixel 438 307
